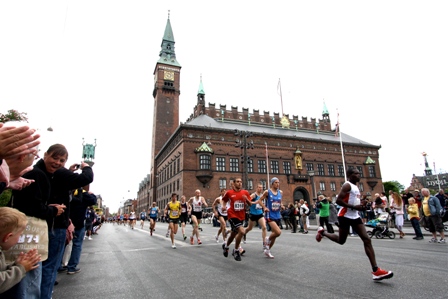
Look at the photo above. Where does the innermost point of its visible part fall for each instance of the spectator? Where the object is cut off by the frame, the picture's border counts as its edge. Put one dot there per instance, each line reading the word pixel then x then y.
pixel 82 198
pixel 414 218
pixel 431 211
pixel 12 225
pixel 62 182
pixel 324 213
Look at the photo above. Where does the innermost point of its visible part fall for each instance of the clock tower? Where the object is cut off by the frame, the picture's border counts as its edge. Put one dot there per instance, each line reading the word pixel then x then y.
pixel 166 93
pixel 166 99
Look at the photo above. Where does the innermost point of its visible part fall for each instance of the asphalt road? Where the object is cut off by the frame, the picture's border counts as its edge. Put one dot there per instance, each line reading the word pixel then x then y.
pixel 124 263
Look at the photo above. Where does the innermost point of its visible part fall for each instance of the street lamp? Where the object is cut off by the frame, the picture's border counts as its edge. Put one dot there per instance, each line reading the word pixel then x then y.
pixel 311 174
pixel 245 160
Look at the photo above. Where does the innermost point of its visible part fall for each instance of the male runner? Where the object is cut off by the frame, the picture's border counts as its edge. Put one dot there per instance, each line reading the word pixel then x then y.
pixel 153 212
pixel 236 213
pixel 196 202
pixel 348 216
pixel 274 202
pixel 142 218
pixel 174 207
pixel 132 219
pixel 256 215
pixel 184 214
pixel 221 216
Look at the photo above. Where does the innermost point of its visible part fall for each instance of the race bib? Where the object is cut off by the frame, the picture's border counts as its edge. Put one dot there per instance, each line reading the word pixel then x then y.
pixel 184 210
pixel 153 212
pixel 258 206
pixel 238 206
pixel 276 206
pixel 197 208
pixel 174 213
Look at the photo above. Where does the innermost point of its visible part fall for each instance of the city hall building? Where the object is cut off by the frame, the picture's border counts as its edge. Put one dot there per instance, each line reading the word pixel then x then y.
pixel 219 143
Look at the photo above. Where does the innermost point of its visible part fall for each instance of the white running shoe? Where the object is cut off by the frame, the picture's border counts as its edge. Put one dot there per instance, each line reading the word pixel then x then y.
pixel 217 239
pixel 90 238
pixel 173 246
pixel 268 254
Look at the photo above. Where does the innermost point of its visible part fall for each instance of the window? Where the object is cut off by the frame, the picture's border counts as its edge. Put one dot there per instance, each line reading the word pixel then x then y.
pixel 309 166
pixel 262 166
pixel 322 186
pixel 263 183
pixel 204 162
pixel 274 166
pixel 320 169
pixel 341 170
pixel 372 173
pixel 360 187
pixel 333 186
pixel 234 165
pixel 360 171
pixel 287 167
pixel 220 164
pixel 178 185
pixel 222 184
pixel 250 165
pixel 330 169
pixel 250 184
pixel 178 164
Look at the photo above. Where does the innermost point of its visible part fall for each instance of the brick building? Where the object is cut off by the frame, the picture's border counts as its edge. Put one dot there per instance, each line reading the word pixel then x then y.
pixel 217 145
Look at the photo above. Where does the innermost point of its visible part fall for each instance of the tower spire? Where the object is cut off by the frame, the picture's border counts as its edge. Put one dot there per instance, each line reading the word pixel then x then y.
pixel 167 53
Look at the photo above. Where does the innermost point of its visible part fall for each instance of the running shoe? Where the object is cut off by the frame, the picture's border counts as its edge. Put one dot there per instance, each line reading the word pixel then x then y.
pixel 216 238
pixel 191 240
pixel 319 235
pixel 268 254
pixel 433 240
pixel 199 241
pixel 442 241
pixel 225 250
pixel 381 274
pixel 150 232
pixel 241 250
pixel 236 255
pixel 167 235
pixel 173 246
pixel 185 237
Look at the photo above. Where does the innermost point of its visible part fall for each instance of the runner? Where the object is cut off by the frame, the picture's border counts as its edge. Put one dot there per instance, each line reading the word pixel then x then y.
pixel 142 218
pixel 256 215
pixel 184 214
pixel 132 219
pixel 175 208
pixel 196 202
pixel 153 212
pixel 348 216
pixel 121 219
pixel 221 216
pixel 236 213
pixel 273 217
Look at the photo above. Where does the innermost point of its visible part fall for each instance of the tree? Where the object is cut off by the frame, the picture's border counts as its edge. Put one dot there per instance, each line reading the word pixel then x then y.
pixel 5 196
pixel 13 115
pixel 394 186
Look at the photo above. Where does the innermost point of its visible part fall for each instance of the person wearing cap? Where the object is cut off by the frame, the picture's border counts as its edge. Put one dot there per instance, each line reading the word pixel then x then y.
pixel 273 216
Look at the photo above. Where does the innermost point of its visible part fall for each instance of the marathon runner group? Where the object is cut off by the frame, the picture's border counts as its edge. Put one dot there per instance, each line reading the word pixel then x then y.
pixel 264 209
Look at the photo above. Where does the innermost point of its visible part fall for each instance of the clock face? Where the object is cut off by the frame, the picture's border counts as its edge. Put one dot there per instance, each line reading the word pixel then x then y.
pixel 168 76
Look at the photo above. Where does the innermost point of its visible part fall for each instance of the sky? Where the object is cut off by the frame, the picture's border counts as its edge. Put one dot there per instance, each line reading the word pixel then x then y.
pixel 85 68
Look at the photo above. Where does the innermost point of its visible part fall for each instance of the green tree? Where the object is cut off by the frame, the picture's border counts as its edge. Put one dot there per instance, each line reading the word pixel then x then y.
pixel 394 186
pixel 5 196
pixel 13 115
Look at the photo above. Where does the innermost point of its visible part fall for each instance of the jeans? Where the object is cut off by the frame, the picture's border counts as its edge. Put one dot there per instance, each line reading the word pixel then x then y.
pixel 56 246
pixel 28 287
pixel 416 226
pixel 78 237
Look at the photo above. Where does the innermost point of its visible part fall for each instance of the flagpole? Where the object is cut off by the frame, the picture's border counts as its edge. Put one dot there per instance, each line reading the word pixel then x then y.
pixel 338 131
pixel 267 163
pixel 279 90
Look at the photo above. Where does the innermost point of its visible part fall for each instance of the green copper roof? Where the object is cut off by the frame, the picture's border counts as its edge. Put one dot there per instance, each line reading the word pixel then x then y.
pixel 201 88
pixel 204 148
pixel 369 161
pixel 167 53
pixel 325 111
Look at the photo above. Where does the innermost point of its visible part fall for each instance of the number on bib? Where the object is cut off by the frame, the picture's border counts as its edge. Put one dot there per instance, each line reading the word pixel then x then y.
pixel 238 206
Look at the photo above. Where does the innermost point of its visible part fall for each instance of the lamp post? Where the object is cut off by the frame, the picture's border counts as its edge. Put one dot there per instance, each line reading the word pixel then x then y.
pixel 311 174
pixel 244 145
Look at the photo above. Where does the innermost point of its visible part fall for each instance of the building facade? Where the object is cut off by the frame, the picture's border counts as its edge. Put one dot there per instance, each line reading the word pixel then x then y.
pixel 216 145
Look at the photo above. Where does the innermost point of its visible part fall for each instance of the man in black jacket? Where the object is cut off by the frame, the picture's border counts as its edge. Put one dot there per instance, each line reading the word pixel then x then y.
pixel 80 201
pixel 62 182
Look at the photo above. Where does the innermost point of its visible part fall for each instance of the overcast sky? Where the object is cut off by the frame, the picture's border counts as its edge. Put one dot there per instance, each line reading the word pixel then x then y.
pixel 85 68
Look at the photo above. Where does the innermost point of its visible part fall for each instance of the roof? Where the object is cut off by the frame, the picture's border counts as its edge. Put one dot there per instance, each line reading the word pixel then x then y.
pixel 207 121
